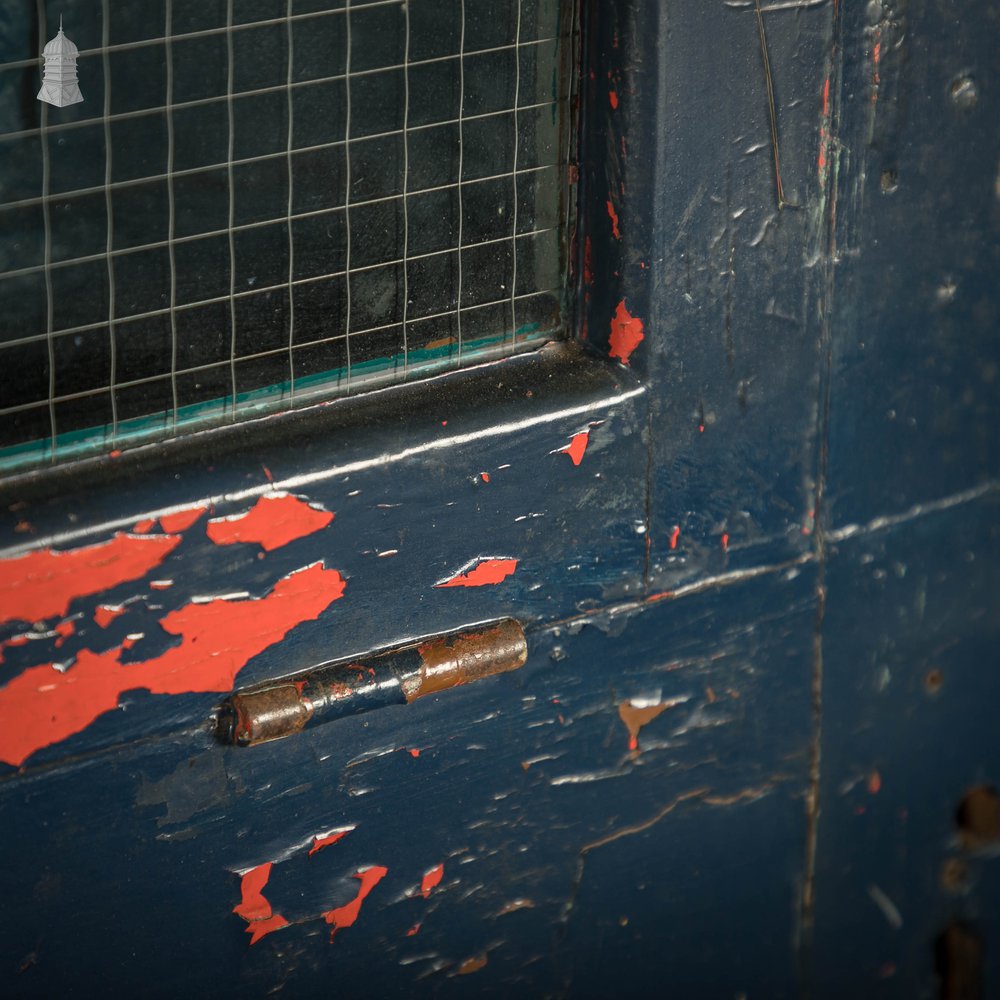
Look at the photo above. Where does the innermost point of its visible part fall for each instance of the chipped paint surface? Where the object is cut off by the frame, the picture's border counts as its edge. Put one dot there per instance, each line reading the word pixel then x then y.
pixel 626 333
pixel 44 584
pixel 346 915
pixel 105 614
pixel 431 879
pixel 42 706
pixel 274 520
pixel 576 447
pixel 181 520
pixel 254 908
pixel 613 216
pixel 485 572
pixel 638 712
pixel 321 840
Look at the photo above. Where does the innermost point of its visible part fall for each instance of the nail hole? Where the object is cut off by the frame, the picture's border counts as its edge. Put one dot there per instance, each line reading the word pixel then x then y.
pixel 958 960
pixel 978 817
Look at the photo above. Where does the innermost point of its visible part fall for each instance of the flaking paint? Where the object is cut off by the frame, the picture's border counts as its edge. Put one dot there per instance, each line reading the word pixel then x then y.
pixel 42 706
pixel 44 584
pixel 273 521
pixel 346 915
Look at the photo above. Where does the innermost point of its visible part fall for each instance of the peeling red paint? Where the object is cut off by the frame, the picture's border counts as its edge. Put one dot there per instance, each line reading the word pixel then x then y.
pixel 42 706
pixel 626 333
pixel 725 542
pixel 107 613
pixel 874 783
pixel 322 840
pixel 613 216
pixel 43 584
pixel 254 908
pixel 275 520
pixel 414 752
pixel 144 527
pixel 431 879
pixel 613 98
pixel 413 930
pixel 181 520
pixel 577 446
pixel 344 916
pixel 486 572
pixel 674 536
pixel 484 476
pixel 824 131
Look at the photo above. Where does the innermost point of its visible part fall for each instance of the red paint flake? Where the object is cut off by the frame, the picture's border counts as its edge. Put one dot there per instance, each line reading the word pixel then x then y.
pixel 42 706
pixel 107 613
pixel 267 473
pixel 414 752
pixel 626 333
pixel 252 904
pixel 115 454
pixel 725 541
pixel 43 584
pixel 874 783
pixel 431 879
pixel 144 527
pixel 613 216
pixel 344 916
pixel 273 521
pixel 674 536
pixel 484 476
pixel 322 840
pixel 413 930
pixel 254 908
pixel 613 98
pixel 181 520
pixel 823 129
pixel 588 259
pixel 64 630
pixel 577 446
pixel 486 572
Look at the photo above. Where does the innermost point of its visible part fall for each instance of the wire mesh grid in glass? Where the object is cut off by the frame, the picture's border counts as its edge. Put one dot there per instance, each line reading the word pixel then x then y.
pixel 258 203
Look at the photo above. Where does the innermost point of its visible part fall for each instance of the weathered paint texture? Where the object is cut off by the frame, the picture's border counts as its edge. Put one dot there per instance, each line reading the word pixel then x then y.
pixel 577 446
pixel 626 333
pixel 254 908
pixel 322 840
pixel 275 520
pixel 43 584
pixel 181 520
pixel 431 879
pixel 42 705
pixel 346 915
pixel 484 573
